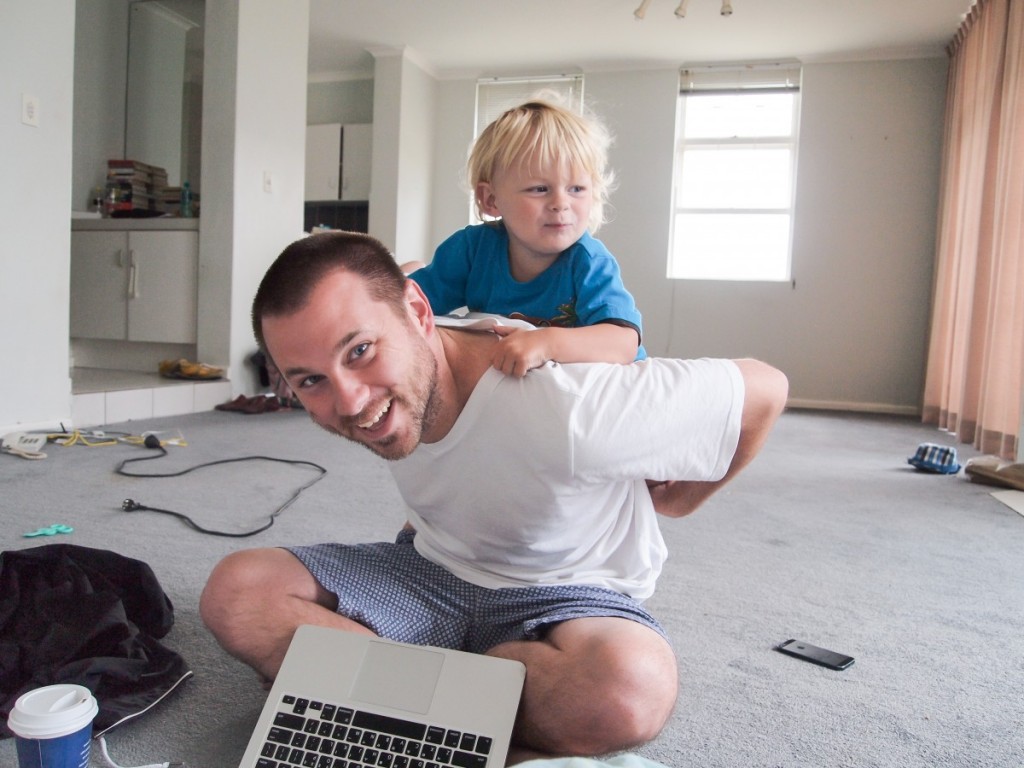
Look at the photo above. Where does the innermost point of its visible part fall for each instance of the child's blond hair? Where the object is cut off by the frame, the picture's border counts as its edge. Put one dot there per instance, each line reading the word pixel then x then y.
pixel 543 132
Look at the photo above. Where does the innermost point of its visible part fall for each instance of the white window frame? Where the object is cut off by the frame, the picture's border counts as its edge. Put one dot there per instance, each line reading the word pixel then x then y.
pixel 495 95
pixel 698 82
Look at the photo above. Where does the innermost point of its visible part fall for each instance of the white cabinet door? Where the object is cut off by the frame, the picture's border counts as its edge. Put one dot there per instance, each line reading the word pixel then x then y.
pixel 162 287
pixel 323 161
pixel 356 157
pixel 99 282
pixel 139 286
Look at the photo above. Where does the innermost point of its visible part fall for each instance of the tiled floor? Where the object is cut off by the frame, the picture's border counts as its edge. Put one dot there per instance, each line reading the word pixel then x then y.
pixel 102 396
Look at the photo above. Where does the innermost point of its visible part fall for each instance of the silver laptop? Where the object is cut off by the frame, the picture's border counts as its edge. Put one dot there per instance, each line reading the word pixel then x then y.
pixel 346 700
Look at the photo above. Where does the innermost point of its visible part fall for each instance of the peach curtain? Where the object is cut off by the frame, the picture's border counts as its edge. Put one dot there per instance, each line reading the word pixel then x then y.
pixel 975 371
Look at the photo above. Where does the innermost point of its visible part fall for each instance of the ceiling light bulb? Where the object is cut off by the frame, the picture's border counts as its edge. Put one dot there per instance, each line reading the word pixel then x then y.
pixel 681 8
pixel 726 8
pixel 641 9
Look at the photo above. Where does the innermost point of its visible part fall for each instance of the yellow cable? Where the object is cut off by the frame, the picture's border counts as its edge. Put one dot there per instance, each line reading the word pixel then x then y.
pixel 68 439
pixel 76 437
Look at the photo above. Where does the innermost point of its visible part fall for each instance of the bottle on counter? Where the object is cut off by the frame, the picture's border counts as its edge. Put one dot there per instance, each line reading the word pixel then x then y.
pixel 186 201
pixel 111 199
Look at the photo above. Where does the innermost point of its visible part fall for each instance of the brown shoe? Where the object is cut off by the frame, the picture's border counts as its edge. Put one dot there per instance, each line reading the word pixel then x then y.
pixel 238 404
pixel 991 470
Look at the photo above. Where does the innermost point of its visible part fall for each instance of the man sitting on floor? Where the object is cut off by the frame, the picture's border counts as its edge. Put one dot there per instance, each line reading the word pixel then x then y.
pixel 532 526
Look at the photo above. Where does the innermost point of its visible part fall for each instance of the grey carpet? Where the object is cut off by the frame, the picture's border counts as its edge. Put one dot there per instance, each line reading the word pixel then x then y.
pixel 829 537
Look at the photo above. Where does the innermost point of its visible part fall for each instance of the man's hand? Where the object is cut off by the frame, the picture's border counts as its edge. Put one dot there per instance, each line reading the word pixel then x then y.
pixel 765 393
pixel 676 498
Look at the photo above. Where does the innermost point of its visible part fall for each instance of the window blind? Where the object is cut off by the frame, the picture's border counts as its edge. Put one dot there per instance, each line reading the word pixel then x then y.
pixel 738 79
pixel 496 95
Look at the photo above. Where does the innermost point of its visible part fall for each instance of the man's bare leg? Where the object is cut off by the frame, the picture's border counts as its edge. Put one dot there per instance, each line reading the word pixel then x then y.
pixel 593 686
pixel 255 599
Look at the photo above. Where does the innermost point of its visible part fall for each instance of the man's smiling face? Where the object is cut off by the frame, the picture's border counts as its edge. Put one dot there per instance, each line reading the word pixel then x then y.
pixel 360 369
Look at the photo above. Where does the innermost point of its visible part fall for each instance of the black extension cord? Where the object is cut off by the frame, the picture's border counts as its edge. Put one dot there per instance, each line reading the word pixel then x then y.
pixel 153 442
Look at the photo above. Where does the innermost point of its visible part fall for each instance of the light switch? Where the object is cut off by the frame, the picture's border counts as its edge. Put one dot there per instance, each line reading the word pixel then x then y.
pixel 29 110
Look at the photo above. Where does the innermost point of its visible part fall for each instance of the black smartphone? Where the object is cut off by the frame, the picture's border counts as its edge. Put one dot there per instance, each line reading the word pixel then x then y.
pixel 814 654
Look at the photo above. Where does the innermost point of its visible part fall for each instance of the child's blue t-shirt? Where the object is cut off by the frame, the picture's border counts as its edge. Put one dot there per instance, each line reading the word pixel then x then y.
pixel 582 287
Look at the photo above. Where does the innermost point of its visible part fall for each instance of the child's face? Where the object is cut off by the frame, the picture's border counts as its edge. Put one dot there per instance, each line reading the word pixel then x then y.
pixel 545 208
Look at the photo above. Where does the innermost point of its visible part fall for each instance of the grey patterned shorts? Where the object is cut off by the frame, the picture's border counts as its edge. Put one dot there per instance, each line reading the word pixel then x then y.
pixel 402 596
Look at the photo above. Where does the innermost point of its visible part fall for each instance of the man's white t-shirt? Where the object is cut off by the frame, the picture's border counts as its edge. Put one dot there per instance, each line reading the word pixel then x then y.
pixel 541 480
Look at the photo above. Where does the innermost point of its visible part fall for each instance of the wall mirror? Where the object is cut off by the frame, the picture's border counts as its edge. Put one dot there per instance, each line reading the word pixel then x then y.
pixel 164 96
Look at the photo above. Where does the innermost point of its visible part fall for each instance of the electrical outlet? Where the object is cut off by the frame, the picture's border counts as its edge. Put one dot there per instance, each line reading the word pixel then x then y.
pixel 22 441
pixel 29 110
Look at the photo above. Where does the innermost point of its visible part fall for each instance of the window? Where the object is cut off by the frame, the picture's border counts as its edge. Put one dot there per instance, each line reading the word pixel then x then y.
pixel 734 176
pixel 494 95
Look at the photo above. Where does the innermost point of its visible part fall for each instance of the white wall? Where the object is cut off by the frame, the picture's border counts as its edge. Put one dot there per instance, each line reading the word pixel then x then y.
pixel 387 127
pixel 340 101
pixel 101 78
pixel 155 97
pixel 416 158
pixel 36 58
pixel 450 195
pixel 637 231
pixel 254 115
pixel 404 102
pixel 851 332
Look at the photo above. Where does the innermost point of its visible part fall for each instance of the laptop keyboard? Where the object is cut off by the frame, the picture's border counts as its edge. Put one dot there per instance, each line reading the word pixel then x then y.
pixel 316 734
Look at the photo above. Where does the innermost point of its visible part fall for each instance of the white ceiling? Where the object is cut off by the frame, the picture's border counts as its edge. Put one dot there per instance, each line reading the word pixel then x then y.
pixel 473 38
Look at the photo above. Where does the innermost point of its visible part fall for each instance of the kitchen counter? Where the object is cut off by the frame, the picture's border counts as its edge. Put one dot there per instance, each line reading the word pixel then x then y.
pixel 155 224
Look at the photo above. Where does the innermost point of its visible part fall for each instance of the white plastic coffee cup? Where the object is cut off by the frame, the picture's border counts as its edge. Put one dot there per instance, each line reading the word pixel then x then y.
pixel 53 726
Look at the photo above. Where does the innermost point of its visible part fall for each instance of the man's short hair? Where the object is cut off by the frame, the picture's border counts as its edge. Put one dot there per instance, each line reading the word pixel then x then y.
pixel 288 283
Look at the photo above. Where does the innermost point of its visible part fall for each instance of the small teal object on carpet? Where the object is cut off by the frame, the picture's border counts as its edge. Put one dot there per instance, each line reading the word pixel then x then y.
pixel 51 530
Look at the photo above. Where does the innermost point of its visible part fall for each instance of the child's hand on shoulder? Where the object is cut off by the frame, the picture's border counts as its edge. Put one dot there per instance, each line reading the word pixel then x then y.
pixel 519 351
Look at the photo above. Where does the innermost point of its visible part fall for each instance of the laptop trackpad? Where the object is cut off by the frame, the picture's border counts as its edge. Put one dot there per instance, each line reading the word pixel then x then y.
pixel 398 676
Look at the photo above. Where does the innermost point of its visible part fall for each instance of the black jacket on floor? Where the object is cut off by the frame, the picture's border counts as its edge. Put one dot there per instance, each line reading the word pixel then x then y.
pixel 71 614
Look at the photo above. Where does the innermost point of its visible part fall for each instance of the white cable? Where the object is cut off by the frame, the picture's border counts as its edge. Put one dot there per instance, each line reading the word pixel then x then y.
pixel 25 454
pixel 112 764
pixel 26 445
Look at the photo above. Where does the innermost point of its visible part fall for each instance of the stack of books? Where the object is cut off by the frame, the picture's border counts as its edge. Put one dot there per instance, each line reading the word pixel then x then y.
pixel 168 200
pixel 133 186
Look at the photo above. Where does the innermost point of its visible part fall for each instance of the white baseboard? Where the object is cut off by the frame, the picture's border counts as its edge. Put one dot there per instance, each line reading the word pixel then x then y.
pixel 836 405
pixel 34 426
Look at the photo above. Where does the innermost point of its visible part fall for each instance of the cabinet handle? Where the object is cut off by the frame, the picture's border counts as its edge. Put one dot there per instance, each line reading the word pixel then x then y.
pixel 133 276
pixel 120 257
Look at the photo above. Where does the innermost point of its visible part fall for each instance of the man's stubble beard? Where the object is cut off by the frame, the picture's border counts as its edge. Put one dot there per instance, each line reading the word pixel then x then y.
pixel 423 406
